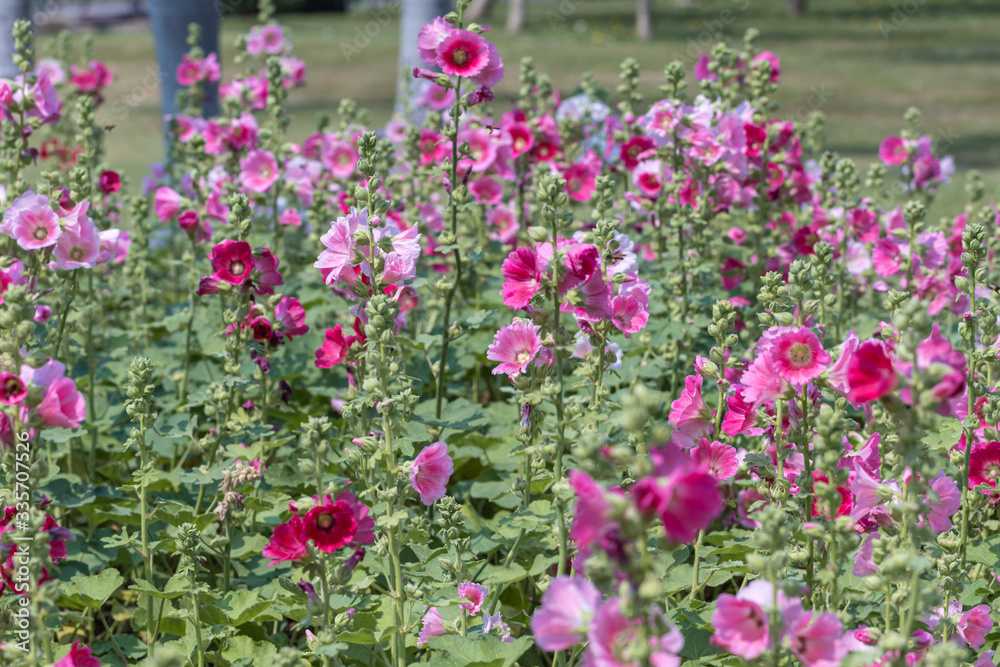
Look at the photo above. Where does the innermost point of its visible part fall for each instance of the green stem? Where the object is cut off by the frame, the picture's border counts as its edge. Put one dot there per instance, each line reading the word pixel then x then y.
pixel 192 302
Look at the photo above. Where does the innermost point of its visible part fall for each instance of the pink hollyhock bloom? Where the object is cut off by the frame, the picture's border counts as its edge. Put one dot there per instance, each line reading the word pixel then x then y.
pixel 611 631
pixel 430 37
pixel 864 563
pixel 522 139
pixel 31 221
pixel 720 460
pixel 91 80
pixel 648 178
pixel 290 317
pixel 493 72
pixel 687 501
pixel 985 659
pixel 330 526
pixel 109 182
pixel 943 502
pixel 42 314
pixel 837 373
pixel 761 381
pixel 515 346
pixel 563 618
pixel 504 223
pixel 984 466
pixel 816 639
pixel 232 261
pixel 47 106
pixel 893 151
pixel 189 71
pixel 210 70
pixel 475 594
pixel 593 303
pixel 690 404
pixel 591 523
pixel 12 389
pixel 887 257
pixel 974 625
pixel 633 148
pixel 870 373
pixel 336 260
pixel 486 190
pixel 258 170
pixel 290 217
pixel 79 245
pixel 166 203
pixel 430 472
pixel 114 246
pixel 432 626
pixel 339 157
pixel 334 349
pixel 463 53
pixel 243 131
pixel 630 309
pixel 741 415
pixel 774 62
pixel 62 405
pixel 741 622
pixel 266 275
pixel 799 356
pixel 288 542
pixel 936 349
pixel 581 178
pixel 78 656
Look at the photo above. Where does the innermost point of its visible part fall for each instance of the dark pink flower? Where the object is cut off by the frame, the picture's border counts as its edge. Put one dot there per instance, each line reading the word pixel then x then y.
pixel 720 460
pixel 288 542
pixel 893 151
pixel 330 526
pixel 799 356
pixel 12 389
pixel 334 349
pixel 232 261
pixel 78 656
pixel 984 465
pixel 463 53
pixel 870 373
pixel 741 622
pixel 816 639
pixel 974 625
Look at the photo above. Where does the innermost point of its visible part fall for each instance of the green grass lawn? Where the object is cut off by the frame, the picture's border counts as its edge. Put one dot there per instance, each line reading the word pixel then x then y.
pixel 848 58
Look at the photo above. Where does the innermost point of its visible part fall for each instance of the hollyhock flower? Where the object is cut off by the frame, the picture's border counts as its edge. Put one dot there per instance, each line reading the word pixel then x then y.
pixel 864 563
pixel 31 221
pixel 943 502
pixel 189 71
pixel 687 501
pixel 166 203
pixel 232 261
pixel 974 625
pixel 761 381
pixel 475 594
pixel 258 170
pixel 563 618
pixel 937 350
pixel 633 148
pixel 91 80
pixel 592 524
pixel 984 466
pixel 430 472
pixel 430 37
pixel 79 245
pixel 491 74
pixel 78 656
pixel 648 177
pixel 720 460
pixel 611 631
pixel 816 639
pixel 335 261
pixel 630 309
pixel 515 346
pixel 870 373
pixel 689 405
pixel 365 524
pixel 109 182
pixel 288 542
pixel 486 190
pixel 504 223
pixel 290 317
pixel 496 622
pixel 799 356
pixel 773 61
pixel 887 256
pixel 463 53
pixel 741 623
pixel 893 151
pixel 62 405
pixel 334 349
pixel 12 389
pixel 330 526
pixel 432 625
pixel 339 157
pixel 741 415
pixel 837 373
pixel 521 138
pixel 581 179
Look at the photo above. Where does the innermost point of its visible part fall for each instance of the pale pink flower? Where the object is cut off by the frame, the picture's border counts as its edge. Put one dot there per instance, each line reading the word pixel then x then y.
pixel 31 221
pixel 62 405
pixel 943 501
pixel 79 245
pixel 563 618
pixel 893 151
pixel 974 625
pixel 430 471
pixel 720 460
pixel 741 622
pixel 339 157
pixel 258 170
pixel 430 37
pixel 515 346
pixel 761 382
pixel 432 626
pixel 816 639
pixel 339 242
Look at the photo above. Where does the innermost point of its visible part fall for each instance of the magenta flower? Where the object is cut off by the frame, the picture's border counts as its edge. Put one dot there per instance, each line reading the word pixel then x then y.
pixel 331 525
pixel 166 203
pixel 287 542
pixel 893 151
pixel 62 405
pixel 563 618
pixel 463 53
pixel 798 356
pixel 492 73
pixel 12 389
pixel 79 245
pixel 943 502
pixel 611 632
pixel 31 221
pixel 339 157
pixel 687 500
pixel 592 523
pixel 432 625
pixel 474 594
pixel 430 472
pixel 258 170
pixel 232 261
pixel 334 349
pixel 720 460
pixel 984 465
pixel 78 656
pixel 290 317
pixel 870 373
pixel 630 309
pixel 816 639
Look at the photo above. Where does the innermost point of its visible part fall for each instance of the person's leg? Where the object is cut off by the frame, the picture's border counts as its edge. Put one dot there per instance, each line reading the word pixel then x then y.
pixel 169 20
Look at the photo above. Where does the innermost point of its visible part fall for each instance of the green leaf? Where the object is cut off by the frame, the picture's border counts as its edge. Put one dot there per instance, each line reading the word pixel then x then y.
pixel 90 592
pixel 242 606
pixel 241 647
pixel 986 552
pixel 485 651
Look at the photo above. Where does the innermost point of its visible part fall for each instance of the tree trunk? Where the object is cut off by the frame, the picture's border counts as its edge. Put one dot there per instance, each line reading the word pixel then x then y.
pixel 10 11
pixel 515 16
pixel 643 20
pixel 169 20
pixel 478 9
pixel 415 14
pixel 797 7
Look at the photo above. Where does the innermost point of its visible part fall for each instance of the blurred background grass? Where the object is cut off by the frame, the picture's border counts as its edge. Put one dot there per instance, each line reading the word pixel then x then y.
pixel 861 62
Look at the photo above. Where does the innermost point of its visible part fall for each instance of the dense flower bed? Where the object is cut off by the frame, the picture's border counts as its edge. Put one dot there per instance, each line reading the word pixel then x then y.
pixel 596 380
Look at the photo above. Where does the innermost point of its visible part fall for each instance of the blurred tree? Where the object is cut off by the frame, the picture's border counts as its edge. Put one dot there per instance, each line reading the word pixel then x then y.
pixel 797 7
pixel 416 13
pixel 10 11
pixel 515 15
